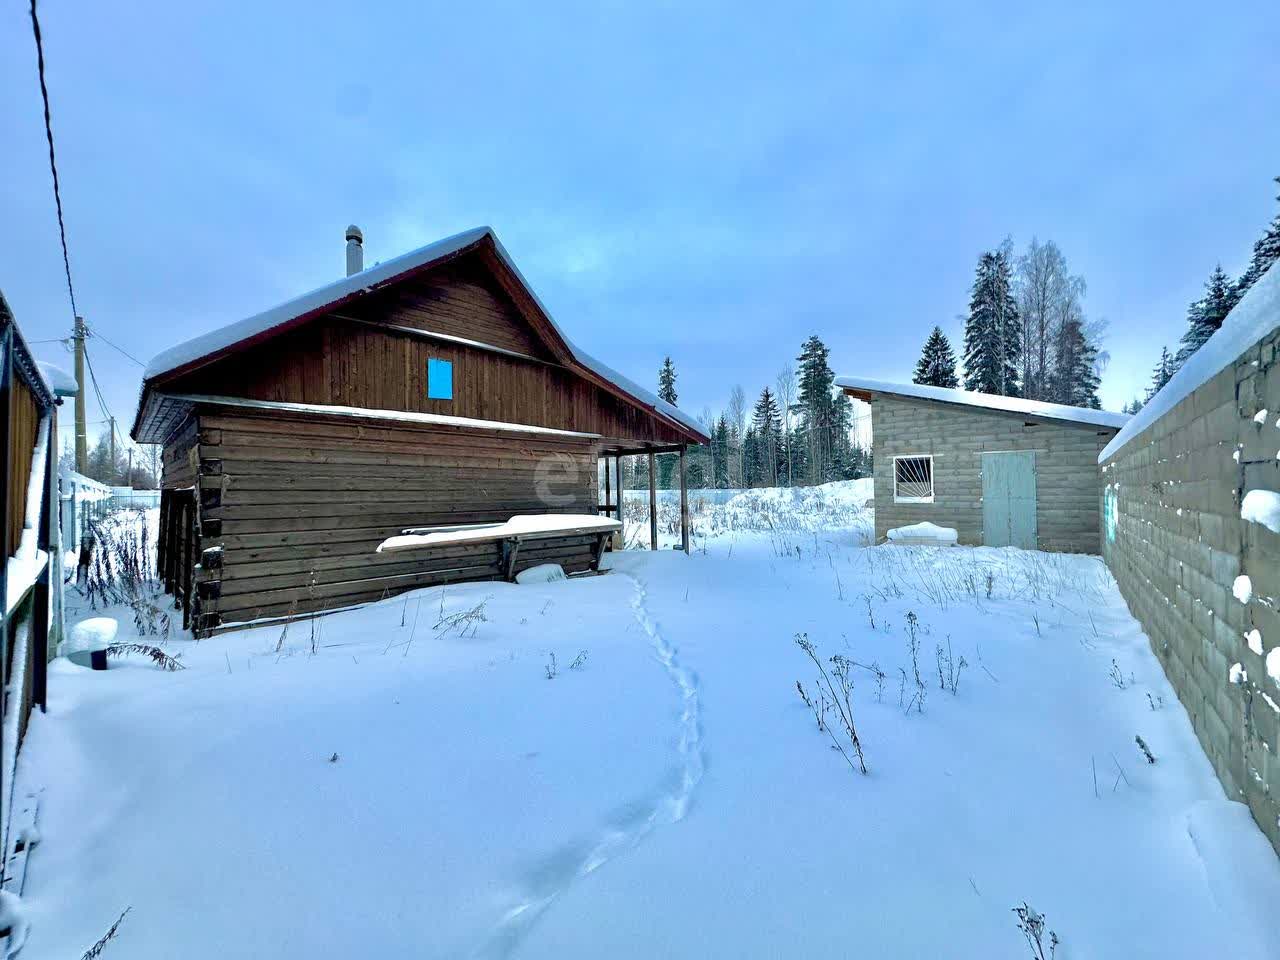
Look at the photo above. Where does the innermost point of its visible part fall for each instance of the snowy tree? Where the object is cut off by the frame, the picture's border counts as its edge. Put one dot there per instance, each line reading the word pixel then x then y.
pixel 750 458
pixel 1132 407
pixel 1205 316
pixel 1075 373
pixel 844 453
pixel 937 364
pixel 766 421
pixel 667 381
pixel 1164 369
pixel 1266 251
pixel 720 453
pixel 1049 299
pixel 991 329
pixel 737 416
pixel 816 383
pixel 786 399
pixel 667 462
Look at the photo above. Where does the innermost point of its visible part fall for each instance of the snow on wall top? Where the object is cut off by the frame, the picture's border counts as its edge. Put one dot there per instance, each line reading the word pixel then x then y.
pixel 60 382
pixel 377 276
pixel 1038 408
pixel 1256 315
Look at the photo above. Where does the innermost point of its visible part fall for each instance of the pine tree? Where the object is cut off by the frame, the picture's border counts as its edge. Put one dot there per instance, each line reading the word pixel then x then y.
pixel 667 381
pixel 937 364
pixel 667 462
pixel 815 383
pixel 1132 407
pixel 767 421
pixel 1205 315
pixel 1164 369
pixel 1075 363
pixel 843 452
pixel 750 458
pixel 720 454
pixel 991 329
pixel 1266 251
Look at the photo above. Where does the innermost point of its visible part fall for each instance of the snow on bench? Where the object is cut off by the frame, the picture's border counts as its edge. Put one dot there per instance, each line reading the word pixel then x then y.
pixel 510 534
pixel 924 532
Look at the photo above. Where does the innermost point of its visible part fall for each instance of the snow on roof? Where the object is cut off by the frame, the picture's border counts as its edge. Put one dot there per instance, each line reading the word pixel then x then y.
pixel 991 401
pixel 377 276
pixel 60 382
pixel 1256 315
pixel 375 414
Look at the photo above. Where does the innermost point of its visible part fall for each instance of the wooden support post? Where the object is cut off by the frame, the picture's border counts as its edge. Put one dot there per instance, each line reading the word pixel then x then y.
pixel 510 551
pixel 172 530
pixel 161 535
pixel 607 501
pixel 617 463
pixel 684 504
pixel 189 530
pixel 653 501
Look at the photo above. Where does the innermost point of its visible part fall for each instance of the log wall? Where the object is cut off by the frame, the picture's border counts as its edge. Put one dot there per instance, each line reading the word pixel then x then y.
pixel 290 508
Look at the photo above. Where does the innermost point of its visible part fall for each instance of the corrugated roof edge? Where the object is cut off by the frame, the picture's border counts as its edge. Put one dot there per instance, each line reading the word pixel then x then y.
pixel 989 401
pixel 194 349
pixel 1256 315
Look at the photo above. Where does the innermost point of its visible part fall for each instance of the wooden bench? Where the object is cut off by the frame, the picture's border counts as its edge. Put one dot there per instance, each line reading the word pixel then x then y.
pixel 510 535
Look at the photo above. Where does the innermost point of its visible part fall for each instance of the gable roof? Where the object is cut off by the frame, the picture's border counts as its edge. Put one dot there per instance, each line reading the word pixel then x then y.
pixel 205 349
pixel 859 387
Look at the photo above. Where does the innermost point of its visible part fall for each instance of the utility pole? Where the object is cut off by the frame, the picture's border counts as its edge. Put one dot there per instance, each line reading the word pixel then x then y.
pixel 112 424
pixel 82 437
pixel 128 477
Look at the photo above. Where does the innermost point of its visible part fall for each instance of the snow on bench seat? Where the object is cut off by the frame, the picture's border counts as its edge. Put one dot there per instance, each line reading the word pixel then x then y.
pixel 525 527
pixel 924 533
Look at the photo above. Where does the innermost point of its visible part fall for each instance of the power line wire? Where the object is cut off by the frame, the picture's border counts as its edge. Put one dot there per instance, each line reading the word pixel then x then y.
pixel 53 163
pixel 122 352
pixel 93 378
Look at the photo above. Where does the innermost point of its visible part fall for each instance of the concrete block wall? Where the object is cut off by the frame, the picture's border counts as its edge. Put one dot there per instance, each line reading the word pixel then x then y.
pixel 1179 546
pixel 1067 478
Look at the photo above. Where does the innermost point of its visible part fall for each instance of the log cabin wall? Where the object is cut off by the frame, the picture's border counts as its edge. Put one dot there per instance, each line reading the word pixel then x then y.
pixel 355 357
pixel 291 507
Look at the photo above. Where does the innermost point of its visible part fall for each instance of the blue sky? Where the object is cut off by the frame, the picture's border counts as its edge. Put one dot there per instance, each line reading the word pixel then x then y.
pixel 713 181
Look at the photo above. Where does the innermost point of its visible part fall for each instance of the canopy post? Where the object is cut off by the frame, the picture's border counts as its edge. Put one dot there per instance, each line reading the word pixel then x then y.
pixel 622 534
pixel 653 501
pixel 684 504
pixel 607 485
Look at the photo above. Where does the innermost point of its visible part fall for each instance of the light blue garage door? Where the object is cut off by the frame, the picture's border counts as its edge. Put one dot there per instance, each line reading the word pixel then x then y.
pixel 1009 500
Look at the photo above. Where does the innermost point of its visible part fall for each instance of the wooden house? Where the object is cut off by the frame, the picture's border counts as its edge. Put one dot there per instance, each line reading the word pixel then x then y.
pixel 430 390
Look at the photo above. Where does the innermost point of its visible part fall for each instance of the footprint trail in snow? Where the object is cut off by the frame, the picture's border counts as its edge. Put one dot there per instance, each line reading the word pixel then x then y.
pixel 541 886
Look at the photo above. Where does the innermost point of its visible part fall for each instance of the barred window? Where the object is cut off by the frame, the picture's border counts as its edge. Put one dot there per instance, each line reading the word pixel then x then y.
pixel 913 479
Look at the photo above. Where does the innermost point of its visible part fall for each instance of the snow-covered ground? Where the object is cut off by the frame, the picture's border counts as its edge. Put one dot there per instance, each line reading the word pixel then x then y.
pixel 841 509
pixel 420 778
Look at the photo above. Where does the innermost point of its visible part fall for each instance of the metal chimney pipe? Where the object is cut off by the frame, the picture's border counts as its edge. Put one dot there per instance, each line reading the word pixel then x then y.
pixel 355 250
